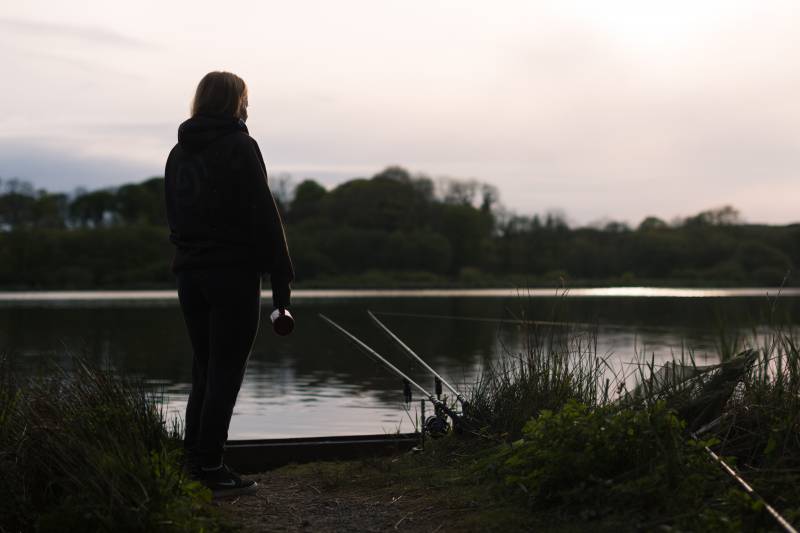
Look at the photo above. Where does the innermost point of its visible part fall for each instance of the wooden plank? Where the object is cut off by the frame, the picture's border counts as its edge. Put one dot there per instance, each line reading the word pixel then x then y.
pixel 258 455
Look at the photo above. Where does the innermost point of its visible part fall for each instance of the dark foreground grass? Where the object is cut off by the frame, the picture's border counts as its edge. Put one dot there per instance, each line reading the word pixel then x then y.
pixel 760 428
pixel 84 450
pixel 561 448
pixel 459 484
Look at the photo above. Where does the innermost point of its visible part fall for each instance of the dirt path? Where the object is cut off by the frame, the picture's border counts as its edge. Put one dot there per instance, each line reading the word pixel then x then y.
pixel 301 499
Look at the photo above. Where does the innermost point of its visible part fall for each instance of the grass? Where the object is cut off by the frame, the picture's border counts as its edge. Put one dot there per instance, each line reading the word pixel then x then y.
pixel 761 426
pixel 85 450
pixel 556 365
pixel 569 448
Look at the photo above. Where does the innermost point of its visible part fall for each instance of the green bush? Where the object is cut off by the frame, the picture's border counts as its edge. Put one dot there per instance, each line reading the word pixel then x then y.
pixel 601 457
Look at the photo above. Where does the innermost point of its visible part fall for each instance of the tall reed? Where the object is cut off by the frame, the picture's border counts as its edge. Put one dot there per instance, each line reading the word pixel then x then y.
pixel 762 426
pixel 85 450
pixel 557 362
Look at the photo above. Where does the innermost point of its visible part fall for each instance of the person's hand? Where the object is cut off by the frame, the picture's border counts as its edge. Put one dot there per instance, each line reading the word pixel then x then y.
pixel 282 321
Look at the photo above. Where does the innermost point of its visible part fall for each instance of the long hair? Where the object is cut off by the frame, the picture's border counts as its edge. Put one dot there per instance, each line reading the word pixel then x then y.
pixel 220 93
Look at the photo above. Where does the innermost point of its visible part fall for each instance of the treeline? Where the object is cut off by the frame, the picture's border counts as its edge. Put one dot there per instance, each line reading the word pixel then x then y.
pixel 23 207
pixel 393 229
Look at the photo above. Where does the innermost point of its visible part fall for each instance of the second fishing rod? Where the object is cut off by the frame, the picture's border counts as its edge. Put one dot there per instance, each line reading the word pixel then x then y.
pixel 438 379
pixel 435 424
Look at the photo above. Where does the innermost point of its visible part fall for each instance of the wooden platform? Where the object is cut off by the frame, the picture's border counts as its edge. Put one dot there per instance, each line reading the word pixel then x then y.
pixel 257 455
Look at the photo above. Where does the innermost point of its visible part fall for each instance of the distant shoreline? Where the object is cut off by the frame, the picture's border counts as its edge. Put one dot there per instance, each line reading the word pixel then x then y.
pixel 88 296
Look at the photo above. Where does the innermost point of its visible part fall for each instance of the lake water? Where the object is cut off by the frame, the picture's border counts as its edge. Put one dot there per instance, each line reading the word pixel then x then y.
pixel 316 383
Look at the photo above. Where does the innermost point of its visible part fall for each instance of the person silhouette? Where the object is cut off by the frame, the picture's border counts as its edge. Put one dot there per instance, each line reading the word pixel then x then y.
pixel 227 233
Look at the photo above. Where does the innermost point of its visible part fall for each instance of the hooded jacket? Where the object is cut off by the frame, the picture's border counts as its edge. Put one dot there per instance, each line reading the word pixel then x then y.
pixel 220 210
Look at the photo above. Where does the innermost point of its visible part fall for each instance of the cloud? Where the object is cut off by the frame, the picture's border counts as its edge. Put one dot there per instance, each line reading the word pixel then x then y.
pixel 57 169
pixel 89 34
pixel 56 60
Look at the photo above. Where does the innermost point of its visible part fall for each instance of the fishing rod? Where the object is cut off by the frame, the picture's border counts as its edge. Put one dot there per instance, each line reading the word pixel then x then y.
pixel 749 357
pixel 520 322
pixel 490 320
pixel 439 425
pixel 785 525
pixel 439 380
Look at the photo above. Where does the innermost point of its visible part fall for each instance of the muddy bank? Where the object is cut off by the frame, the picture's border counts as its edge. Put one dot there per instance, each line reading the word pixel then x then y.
pixel 356 496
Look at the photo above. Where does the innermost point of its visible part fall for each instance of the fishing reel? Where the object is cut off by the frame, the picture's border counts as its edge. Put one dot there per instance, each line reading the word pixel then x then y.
pixel 436 426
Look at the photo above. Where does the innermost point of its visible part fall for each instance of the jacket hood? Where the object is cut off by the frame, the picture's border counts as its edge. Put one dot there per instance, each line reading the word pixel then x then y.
pixel 201 130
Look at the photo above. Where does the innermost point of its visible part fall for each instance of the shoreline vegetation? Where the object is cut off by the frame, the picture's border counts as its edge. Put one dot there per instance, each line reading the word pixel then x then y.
pixel 560 441
pixel 392 230
pixel 83 449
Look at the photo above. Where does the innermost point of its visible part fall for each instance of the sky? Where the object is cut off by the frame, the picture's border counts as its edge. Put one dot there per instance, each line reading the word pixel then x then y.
pixel 601 109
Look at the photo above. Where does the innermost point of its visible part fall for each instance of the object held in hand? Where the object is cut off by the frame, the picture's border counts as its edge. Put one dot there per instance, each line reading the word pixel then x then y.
pixel 282 321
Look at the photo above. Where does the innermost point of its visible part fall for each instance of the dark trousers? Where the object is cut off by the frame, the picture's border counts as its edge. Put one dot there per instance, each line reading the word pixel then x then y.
pixel 221 308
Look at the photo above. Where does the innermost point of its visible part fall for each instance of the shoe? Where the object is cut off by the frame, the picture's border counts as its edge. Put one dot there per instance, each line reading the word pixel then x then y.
pixel 223 482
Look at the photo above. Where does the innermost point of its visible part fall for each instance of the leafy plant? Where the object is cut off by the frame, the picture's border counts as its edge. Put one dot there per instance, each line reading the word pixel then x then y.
pixel 579 455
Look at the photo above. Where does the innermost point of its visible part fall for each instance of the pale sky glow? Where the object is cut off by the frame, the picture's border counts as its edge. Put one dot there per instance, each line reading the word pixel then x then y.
pixel 605 109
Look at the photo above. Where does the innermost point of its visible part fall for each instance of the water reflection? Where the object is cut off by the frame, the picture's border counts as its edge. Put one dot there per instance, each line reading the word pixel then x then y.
pixel 316 383
pixel 72 297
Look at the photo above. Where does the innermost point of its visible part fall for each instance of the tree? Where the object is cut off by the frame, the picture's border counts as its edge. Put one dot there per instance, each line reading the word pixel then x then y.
pixel 281 188
pixel 614 226
pixel 307 201
pixel 396 173
pixel 652 224
pixel 460 192
pixel 468 231
pixel 16 204
pixel 490 196
pixel 141 203
pixel 721 216
pixel 424 187
pixel 381 203
pixel 94 209
pixel 555 220
pixel 50 210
